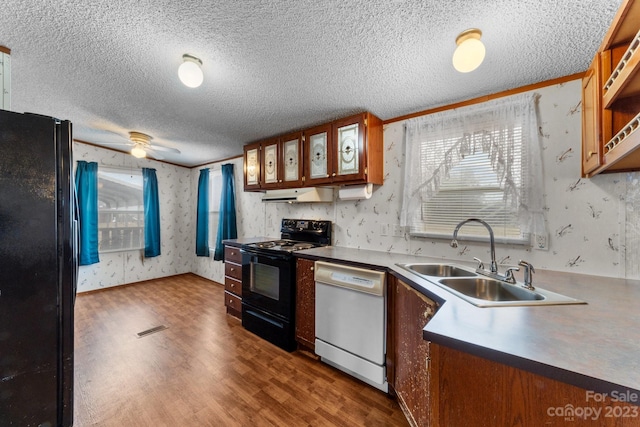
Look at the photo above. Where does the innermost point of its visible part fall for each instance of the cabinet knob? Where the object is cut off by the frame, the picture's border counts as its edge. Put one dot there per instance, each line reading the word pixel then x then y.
pixel 232 269
pixel 233 285
pixel 233 253
pixel 230 301
pixel 333 174
pixel 311 269
pixel 591 153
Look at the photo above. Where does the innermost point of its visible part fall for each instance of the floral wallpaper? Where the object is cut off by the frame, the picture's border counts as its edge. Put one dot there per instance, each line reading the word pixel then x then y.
pixel 593 225
pixel 174 191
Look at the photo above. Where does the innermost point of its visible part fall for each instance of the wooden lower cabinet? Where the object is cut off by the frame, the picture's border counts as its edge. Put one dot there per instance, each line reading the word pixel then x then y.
pixel 408 364
pixel 473 391
pixel 233 281
pixel 441 386
pixel 305 304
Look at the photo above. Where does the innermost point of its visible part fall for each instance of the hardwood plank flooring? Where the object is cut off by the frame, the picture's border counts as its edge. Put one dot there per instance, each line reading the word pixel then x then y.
pixel 204 369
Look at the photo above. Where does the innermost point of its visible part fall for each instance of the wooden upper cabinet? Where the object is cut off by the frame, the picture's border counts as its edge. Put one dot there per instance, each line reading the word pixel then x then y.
pixel 318 153
pixel 591 119
pixel 252 160
pixel 358 149
pixel 271 164
pixel 615 102
pixel 347 151
pixel 292 152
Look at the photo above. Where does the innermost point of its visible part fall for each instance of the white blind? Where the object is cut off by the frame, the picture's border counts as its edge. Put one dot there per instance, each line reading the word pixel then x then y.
pixel 120 210
pixel 215 191
pixel 473 189
pixel 473 163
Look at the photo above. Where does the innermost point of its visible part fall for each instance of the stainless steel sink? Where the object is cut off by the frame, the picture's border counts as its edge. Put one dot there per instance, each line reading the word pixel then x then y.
pixel 438 270
pixel 491 290
pixel 484 291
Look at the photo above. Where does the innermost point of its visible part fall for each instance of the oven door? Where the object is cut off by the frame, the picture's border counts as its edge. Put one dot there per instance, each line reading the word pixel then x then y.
pixel 268 282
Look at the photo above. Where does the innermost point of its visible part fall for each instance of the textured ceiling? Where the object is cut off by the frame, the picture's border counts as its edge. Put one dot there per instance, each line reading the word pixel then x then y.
pixel 275 66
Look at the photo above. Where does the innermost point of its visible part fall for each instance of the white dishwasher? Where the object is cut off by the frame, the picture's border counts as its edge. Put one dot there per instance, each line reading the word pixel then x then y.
pixel 351 313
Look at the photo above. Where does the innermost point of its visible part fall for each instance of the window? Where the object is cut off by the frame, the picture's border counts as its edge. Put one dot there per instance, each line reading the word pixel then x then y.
pixel 215 189
pixel 120 210
pixel 475 162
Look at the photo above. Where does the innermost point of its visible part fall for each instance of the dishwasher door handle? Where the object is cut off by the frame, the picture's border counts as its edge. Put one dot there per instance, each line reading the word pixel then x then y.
pixel 357 279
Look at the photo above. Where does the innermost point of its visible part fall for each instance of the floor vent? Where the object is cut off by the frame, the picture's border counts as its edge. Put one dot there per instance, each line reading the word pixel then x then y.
pixel 151 331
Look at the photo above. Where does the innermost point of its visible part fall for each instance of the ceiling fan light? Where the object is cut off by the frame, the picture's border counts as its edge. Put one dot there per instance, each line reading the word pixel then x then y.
pixel 190 71
pixel 470 51
pixel 138 152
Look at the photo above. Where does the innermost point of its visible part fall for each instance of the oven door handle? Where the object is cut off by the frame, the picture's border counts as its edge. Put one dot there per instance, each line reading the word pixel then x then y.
pixel 263 255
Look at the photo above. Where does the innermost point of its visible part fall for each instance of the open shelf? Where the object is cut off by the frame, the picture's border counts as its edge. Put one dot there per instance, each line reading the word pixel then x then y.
pixel 623 81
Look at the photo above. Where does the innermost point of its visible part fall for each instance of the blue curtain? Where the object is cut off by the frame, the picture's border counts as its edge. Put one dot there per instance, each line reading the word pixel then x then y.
pixel 202 221
pixel 87 195
pixel 151 213
pixel 227 225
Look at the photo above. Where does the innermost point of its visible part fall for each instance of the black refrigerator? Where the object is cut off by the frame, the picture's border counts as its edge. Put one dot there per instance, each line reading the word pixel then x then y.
pixel 38 271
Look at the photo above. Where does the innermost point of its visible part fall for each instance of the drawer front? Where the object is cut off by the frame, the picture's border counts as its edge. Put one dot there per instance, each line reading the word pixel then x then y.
pixel 233 270
pixel 233 286
pixel 231 253
pixel 233 301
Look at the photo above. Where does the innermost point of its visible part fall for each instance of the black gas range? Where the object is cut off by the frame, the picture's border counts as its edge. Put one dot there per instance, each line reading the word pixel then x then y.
pixel 268 279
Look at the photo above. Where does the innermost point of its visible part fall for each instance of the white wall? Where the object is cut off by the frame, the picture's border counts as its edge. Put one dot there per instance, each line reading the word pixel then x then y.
pixel 176 224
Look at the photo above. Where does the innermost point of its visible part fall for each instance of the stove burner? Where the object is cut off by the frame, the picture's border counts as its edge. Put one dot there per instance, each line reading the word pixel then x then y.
pixel 285 245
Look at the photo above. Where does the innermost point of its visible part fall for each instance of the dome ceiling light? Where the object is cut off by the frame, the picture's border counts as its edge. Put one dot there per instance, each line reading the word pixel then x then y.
pixel 470 51
pixel 141 143
pixel 190 71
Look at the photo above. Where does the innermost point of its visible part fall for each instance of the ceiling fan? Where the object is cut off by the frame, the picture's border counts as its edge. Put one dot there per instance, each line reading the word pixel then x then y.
pixel 140 146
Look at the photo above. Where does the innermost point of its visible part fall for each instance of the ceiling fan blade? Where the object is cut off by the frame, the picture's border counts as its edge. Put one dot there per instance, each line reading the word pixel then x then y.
pixel 121 144
pixel 154 154
pixel 164 149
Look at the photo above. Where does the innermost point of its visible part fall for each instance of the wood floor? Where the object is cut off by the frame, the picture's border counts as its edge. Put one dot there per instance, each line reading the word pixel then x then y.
pixel 204 369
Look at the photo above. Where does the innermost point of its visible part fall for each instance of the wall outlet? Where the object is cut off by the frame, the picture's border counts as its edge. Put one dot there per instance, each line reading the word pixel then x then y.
pixel 384 229
pixel 541 241
pixel 397 230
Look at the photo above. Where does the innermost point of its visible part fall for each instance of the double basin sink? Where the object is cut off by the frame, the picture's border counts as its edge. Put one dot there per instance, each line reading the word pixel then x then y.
pixel 484 291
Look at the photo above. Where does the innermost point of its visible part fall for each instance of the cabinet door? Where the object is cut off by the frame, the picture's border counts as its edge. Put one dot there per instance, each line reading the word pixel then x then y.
pixel 411 366
pixel 349 161
pixel 318 144
pixel 591 119
pixel 305 304
pixel 291 160
pixel 270 165
pixel 252 167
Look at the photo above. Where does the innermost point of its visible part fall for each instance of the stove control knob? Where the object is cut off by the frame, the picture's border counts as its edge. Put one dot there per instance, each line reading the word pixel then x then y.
pixel 318 225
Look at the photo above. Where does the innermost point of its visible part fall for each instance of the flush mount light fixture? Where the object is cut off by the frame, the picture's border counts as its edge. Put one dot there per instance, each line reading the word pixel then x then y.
pixel 190 71
pixel 470 51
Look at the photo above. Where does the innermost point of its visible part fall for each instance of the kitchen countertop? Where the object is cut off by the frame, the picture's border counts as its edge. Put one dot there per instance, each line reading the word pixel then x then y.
pixel 247 240
pixel 595 346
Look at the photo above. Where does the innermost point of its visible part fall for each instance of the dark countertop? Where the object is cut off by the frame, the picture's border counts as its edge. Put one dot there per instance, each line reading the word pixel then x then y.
pixel 246 240
pixel 595 346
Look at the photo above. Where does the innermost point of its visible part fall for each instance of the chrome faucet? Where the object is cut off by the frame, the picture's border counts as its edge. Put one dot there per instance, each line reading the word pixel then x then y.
pixel 492 242
pixel 493 268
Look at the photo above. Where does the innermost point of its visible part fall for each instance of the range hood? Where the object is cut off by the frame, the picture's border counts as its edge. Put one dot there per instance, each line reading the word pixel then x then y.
pixel 299 195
